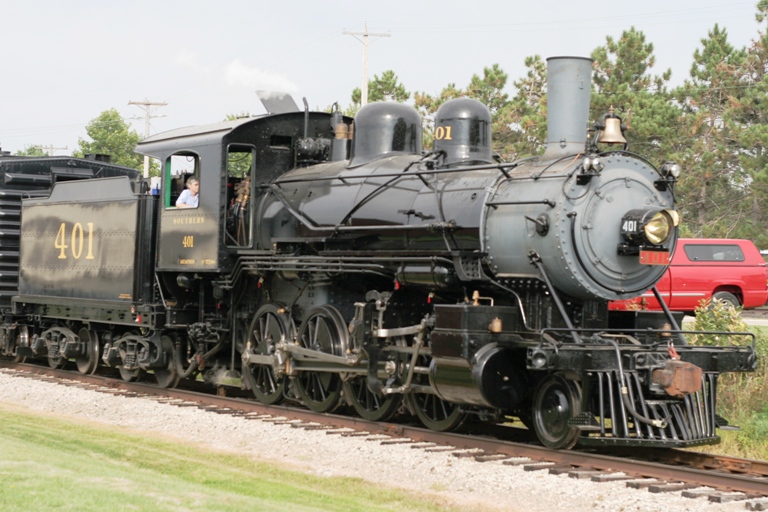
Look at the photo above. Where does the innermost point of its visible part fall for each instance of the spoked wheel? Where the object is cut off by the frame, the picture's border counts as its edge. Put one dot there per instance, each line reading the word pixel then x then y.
pixel 87 363
pixel 167 376
pixel 434 412
pixel 323 330
pixel 268 327
pixel 377 406
pixel 557 400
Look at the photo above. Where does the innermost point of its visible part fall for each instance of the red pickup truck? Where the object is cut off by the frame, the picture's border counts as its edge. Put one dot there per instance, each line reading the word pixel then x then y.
pixel 707 268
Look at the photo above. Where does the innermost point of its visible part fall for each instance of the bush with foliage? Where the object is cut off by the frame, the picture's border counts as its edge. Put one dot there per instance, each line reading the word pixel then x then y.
pixel 741 396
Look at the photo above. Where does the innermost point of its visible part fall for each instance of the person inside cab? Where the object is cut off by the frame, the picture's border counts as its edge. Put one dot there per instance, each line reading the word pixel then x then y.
pixel 189 196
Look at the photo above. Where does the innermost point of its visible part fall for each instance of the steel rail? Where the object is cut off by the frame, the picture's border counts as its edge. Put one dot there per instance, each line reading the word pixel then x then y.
pixel 716 471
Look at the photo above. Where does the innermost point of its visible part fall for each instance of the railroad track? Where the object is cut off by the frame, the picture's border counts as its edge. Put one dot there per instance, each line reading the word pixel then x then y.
pixel 697 475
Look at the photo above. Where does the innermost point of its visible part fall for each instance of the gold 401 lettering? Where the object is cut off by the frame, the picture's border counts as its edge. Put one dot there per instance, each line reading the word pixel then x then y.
pixel 188 241
pixel 443 133
pixel 76 240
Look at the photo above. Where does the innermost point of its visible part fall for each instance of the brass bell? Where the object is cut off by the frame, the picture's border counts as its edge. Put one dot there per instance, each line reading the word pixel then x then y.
pixel 611 130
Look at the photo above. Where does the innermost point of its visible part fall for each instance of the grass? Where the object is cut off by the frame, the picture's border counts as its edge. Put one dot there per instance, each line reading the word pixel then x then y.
pixel 742 397
pixel 53 463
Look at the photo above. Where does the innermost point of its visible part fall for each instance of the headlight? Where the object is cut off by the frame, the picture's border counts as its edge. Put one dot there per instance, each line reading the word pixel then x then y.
pixel 654 227
pixel 657 229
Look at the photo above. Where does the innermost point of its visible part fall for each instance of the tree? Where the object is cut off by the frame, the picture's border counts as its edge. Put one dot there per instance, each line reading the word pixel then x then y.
pixel 32 151
pixel 622 79
pixel 751 112
pixel 489 89
pixel 112 136
pixel 712 191
pixel 384 88
pixel 521 126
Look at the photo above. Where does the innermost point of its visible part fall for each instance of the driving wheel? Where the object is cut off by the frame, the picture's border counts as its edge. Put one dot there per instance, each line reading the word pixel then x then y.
pixel 434 412
pixel 378 406
pixel 323 330
pixel 268 327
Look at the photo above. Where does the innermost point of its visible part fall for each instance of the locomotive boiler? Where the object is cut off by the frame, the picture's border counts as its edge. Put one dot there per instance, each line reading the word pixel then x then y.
pixel 334 262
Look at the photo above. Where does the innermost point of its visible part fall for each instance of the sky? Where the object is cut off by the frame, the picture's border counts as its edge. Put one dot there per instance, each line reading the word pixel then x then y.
pixel 63 62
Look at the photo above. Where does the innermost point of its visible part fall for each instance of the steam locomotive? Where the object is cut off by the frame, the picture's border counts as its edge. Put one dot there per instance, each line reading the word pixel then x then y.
pixel 331 261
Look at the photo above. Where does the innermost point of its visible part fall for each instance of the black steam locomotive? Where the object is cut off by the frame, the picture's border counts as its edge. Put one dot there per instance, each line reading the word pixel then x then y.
pixel 334 262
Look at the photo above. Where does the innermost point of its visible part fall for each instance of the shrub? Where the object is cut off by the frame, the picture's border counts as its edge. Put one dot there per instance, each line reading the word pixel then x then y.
pixel 741 396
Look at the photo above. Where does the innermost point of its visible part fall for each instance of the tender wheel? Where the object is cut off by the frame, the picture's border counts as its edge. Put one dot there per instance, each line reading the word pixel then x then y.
pixel 17 358
pixel 434 412
pixel 324 330
pixel 377 406
pixel 129 375
pixel 557 400
pixel 268 327
pixel 55 360
pixel 727 298
pixel 167 377
pixel 88 362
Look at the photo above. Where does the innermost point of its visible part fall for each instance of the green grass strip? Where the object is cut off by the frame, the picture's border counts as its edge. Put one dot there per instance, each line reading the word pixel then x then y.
pixel 50 463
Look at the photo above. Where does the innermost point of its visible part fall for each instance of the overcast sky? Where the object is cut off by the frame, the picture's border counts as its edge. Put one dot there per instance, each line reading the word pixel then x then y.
pixel 66 61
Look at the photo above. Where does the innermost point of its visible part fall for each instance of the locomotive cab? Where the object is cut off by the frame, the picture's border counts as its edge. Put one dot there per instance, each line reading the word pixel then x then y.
pixel 233 161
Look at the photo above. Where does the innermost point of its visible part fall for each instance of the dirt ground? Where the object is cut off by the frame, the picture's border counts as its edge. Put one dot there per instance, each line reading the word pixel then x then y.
pixel 755 313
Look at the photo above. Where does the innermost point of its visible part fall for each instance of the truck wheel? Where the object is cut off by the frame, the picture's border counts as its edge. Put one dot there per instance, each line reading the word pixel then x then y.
pixel 726 297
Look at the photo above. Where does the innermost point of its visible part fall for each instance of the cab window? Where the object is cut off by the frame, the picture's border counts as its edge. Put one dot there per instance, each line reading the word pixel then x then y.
pixel 240 165
pixel 179 169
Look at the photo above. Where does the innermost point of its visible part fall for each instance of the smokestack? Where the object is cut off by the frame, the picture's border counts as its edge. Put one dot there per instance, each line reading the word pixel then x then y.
pixel 569 83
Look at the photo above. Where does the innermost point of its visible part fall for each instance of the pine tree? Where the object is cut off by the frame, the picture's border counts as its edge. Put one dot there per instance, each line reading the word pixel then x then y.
pixel 623 80
pixel 522 123
pixel 712 188
pixel 751 112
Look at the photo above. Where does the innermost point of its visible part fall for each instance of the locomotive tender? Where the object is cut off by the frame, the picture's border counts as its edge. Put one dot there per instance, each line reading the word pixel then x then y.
pixel 332 261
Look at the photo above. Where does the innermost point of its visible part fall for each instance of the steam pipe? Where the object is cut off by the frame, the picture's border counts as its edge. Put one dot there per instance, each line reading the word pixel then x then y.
pixel 625 390
pixel 536 260
pixel 668 313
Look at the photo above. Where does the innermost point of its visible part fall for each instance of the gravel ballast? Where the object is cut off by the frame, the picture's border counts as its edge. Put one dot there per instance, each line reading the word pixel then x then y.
pixel 486 486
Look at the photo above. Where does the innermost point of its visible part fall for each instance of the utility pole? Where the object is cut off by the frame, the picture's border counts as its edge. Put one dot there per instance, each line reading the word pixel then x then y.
pixel 50 149
pixel 364 40
pixel 146 105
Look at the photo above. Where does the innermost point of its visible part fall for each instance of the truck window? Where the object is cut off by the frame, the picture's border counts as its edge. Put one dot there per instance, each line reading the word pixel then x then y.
pixel 713 252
